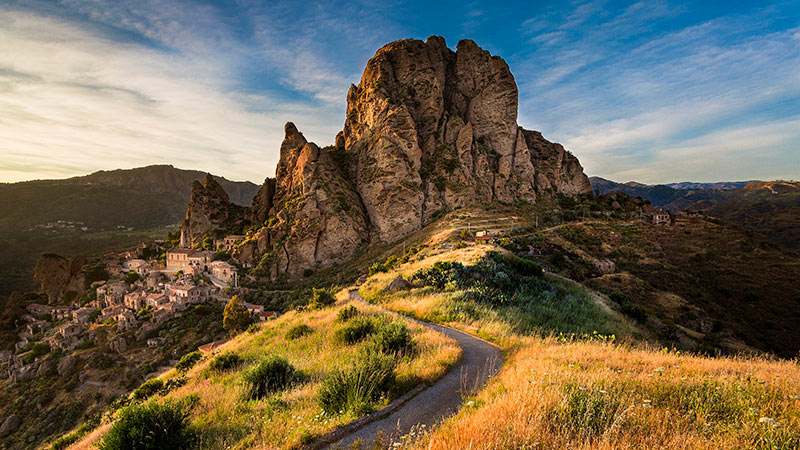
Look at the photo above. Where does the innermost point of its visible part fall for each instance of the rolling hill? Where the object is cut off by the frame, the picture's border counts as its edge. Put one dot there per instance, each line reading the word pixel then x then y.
pixel 93 213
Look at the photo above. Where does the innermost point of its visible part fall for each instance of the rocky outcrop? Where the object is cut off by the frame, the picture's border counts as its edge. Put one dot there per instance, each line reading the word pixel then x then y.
pixel 9 425
pixel 316 220
pixel 57 275
pixel 210 212
pixel 428 130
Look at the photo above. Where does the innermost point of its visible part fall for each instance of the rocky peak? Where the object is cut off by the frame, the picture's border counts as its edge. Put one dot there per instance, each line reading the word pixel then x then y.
pixel 209 211
pixel 428 129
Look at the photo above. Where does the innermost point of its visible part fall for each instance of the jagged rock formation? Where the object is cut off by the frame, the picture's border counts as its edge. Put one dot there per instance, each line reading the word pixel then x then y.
pixel 57 275
pixel 209 211
pixel 427 130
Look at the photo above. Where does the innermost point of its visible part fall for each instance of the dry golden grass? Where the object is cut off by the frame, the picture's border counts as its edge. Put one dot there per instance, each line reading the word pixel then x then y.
pixel 591 395
pixel 287 419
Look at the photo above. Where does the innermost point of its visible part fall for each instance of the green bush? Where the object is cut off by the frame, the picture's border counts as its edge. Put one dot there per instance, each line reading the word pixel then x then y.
pixel 39 349
pixel 151 426
pixel 439 275
pixel 270 375
pixel 148 389
pixel 347 313
pixel 131 277
pixel 355 330
pixel 188 361
pixel 393 339
pixel 224 361
pixel 628 307
pixel 385 266
pixel 320 298
pixel 356 389
pixel 298 331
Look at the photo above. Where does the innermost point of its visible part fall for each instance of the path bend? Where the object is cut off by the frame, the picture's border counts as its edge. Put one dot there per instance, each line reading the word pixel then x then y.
pixel 480 360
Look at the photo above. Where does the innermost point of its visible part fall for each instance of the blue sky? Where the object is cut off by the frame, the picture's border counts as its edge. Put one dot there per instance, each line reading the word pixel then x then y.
pixel 653 91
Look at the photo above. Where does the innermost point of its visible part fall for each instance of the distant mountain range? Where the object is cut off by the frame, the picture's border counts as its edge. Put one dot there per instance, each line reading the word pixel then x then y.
pixel 771 208
pixel 93 213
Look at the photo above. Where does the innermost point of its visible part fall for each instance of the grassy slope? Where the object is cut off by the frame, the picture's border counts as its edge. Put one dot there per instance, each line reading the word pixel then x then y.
pixel 721 282
pixel 291 417
pixel 590 392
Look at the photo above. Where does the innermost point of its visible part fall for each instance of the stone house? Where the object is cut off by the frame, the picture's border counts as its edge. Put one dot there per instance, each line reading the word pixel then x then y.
pixel 222 271
pixel 229 242
pixel 178 258
pixel 187 293
pixel 263 316
pixel 604 266
pixel 61 313
pixel 155 342
pixel 201 259
pixel 134 300
pixel 156 300
pixel 69 331
pixel 661 218
pixel 133 263
pixel 125 321
pixel 160 316
pixel 82 315
pixel 254 309
pixel 37 309
pixel 112 311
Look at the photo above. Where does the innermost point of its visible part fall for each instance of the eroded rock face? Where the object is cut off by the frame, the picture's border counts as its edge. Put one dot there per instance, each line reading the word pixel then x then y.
pixel 209 211
pixel 317 219
pixel 428 129
pixel 57 275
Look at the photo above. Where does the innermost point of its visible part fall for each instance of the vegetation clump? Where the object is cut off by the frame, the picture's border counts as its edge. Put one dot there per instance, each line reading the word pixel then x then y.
pixel 393 339
pixel 347 313
pixel 148 389
pixel 151 426
pixel 298 331
pixel 355 330
pixel 236 317
pixel 188 361
pixel 321 298
pixel 270 375
pixel 224 361
pixel 357 388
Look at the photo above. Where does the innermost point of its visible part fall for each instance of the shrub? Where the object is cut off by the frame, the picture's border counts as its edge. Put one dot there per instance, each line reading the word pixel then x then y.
pixel 393 339
pixel 355 330
pixel 224 361
pixel 298 331
pixel 148 389
pixel 235 317
pixel 270 375
pixel 321 298
pixel 526 267
pixel 347 313
pixel 131 277
pixel 188 361
pixel 150 426
pixel 628 307
pixel 439 275
pixel 39 349
pixel 384 266
pixel 356 389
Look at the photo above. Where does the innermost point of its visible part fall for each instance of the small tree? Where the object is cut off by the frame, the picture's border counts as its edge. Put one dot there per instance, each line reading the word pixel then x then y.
pixel 321 298
pixel 235 317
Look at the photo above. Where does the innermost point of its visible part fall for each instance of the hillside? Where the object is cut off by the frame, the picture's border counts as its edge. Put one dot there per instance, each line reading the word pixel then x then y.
pixel 770 208
pixel 671 197
pixel 92 214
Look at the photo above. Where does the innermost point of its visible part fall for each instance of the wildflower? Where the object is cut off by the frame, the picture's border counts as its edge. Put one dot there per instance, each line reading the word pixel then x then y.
pixel 581 388
pixel 572 365
pixel 647 401
pixel 603 392
pixel 470 403
pixel 659 369
pixel 794 397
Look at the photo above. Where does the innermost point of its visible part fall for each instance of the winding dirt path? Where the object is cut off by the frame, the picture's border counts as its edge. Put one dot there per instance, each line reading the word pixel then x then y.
pixel 479 360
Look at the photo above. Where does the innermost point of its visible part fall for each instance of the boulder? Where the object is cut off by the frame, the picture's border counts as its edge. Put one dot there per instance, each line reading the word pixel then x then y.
pixel 398 284
pixel 9 425
pixel 66 364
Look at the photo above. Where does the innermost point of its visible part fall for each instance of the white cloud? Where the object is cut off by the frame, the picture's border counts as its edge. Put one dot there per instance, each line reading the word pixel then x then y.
pixel 75 100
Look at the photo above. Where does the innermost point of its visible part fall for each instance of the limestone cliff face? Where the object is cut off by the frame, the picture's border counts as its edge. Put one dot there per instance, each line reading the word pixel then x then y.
pixel 210 211
pixel 316 219
pixel 428 129
pixel 57 275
